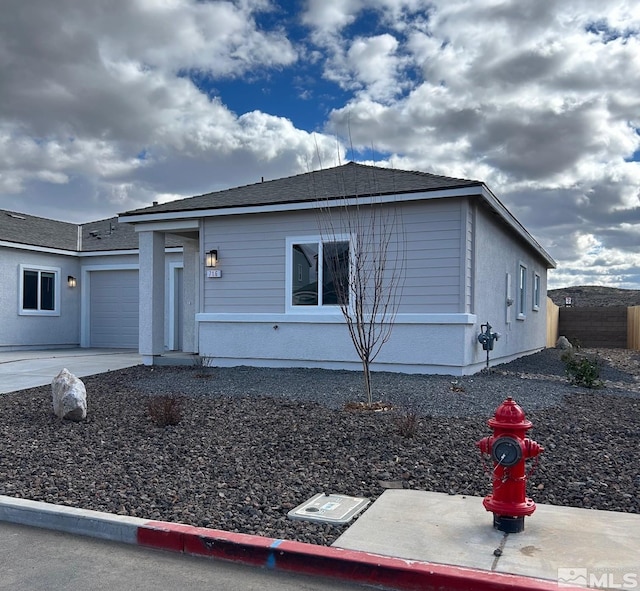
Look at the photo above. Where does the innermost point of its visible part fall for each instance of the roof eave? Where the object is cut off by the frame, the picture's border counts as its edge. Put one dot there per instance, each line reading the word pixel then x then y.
pixel 38 248
pixel 462 191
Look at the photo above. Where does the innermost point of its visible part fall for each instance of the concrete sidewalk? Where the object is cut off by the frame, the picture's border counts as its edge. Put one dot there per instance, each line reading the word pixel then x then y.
pixel 28 369
pixel 565 544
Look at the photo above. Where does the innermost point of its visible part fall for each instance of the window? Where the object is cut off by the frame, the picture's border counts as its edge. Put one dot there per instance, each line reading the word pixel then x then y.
pixel 319 273
pixel 39 288
pixel 536 291
pixel 522 292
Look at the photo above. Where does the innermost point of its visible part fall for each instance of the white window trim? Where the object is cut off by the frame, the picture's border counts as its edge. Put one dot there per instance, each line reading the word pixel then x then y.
pixel 508 299
pixel 536 291
pixel 56 296
pixel 521 292
pixel 318 308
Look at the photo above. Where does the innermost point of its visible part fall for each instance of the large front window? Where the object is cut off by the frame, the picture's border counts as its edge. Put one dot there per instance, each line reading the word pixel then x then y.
pixel 319 273
pixel 39 289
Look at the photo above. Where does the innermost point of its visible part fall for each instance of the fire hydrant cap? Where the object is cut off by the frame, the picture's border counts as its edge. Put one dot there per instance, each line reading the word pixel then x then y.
pixel 509 415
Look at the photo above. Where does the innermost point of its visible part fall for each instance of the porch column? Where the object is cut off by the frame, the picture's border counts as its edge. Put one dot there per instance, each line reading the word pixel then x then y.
pixel 151 314
pixel 190 295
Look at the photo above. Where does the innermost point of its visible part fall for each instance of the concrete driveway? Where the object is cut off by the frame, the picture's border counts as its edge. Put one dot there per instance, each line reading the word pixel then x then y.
pixel 27 369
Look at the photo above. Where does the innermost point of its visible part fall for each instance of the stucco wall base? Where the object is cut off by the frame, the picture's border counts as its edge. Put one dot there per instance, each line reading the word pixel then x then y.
pixel 424 344
pixel 338 365
pixel 376 367
pixel 430 344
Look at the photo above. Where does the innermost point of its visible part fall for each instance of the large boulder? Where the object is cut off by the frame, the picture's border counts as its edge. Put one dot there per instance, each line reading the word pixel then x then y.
pixel 69 396
pixel 564 344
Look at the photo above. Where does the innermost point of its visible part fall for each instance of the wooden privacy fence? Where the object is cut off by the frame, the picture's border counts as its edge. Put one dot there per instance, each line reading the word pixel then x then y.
pixel 606 327
pixel 633 328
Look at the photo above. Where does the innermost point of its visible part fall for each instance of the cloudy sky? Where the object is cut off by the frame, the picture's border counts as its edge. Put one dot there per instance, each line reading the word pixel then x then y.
pixel 108 105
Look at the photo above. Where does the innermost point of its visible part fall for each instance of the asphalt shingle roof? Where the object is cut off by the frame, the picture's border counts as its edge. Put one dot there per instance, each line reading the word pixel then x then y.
pixel 110 234
pixel 35 231
pixel 101 235
pixel 348 180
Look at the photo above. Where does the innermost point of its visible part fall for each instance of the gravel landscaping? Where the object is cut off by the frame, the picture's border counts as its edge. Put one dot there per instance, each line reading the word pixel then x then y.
pixel 254 443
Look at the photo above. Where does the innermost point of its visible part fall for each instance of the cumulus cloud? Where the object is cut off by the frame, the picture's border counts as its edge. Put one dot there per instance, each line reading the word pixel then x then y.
pixel 537 100
pixel 99 90
pixel 103 110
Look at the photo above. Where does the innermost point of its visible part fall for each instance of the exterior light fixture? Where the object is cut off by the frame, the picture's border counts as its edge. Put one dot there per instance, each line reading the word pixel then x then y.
pixel 72 281
pixel 212 258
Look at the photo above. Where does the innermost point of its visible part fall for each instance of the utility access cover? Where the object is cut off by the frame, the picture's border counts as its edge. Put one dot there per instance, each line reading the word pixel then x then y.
pixel 329 508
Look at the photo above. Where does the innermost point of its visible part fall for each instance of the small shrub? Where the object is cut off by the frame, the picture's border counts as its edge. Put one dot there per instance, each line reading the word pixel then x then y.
pixel 457 386
pixel 165 410
pixel 582 371
pixel 204 365
pixel 408 425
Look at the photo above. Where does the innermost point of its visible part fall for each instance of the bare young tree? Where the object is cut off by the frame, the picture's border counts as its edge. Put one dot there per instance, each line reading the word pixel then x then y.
pixel 363 262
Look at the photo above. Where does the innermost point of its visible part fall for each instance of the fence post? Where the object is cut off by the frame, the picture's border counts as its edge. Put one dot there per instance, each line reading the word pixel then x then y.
pixel 633 328
pixel 553 315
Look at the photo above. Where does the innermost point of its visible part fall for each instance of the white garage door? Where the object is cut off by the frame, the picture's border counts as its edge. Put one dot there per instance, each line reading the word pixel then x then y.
pixel 114 309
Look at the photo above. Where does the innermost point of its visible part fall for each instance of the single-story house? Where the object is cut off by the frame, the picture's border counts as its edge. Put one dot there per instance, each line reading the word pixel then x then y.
pixel 466 261
pixel 143 281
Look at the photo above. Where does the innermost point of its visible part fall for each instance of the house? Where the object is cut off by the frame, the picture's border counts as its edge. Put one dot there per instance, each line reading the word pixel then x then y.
pixel 69 285
pixel 468 262
pixel 142 280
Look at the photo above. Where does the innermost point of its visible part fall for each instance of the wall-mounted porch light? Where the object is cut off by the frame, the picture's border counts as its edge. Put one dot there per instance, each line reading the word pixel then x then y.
pixel 72 281
pixel 212 258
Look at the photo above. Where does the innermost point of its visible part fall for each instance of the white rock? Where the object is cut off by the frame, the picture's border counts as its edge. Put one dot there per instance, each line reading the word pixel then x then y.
pixel 563 343
pixel 69 396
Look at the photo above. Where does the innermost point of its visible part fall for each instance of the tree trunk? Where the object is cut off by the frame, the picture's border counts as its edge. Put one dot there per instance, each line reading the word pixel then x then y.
pixel 366 374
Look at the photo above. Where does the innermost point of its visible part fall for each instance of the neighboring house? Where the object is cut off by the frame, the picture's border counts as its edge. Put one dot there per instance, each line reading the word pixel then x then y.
pixel 468 262
pixel 68 285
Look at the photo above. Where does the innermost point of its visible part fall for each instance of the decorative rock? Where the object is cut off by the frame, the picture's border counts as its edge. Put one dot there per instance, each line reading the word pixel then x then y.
pixel 563 343
pixel 69 396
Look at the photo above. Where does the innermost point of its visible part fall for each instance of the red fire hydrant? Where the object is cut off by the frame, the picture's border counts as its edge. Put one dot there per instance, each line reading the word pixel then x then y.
pixel 509 448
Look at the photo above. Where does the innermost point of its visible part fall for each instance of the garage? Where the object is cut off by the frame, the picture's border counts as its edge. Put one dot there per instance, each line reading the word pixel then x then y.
pixel 113 308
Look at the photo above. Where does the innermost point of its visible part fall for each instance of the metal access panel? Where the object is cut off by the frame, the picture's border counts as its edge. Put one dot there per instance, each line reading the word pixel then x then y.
pixel 329 508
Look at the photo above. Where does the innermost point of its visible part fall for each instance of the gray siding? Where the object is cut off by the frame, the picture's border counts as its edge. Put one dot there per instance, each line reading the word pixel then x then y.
pixel 251 251
pixel 252 254
pixel 468 254
pixel 433 264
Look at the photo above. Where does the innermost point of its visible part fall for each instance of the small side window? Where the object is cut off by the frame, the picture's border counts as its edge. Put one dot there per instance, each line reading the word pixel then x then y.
pixel 522 292
pixel 536 292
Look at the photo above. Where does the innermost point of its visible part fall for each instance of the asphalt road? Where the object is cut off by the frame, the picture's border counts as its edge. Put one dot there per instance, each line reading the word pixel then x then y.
pixel 34 559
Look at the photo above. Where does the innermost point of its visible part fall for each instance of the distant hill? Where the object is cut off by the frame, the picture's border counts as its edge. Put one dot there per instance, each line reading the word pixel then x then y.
pixel 584 296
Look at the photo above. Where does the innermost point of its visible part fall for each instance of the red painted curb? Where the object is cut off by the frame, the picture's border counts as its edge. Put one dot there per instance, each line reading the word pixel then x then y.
pixel 348 565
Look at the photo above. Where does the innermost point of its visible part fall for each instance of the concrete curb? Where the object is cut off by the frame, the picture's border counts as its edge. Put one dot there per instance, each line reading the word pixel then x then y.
pixel 295 557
